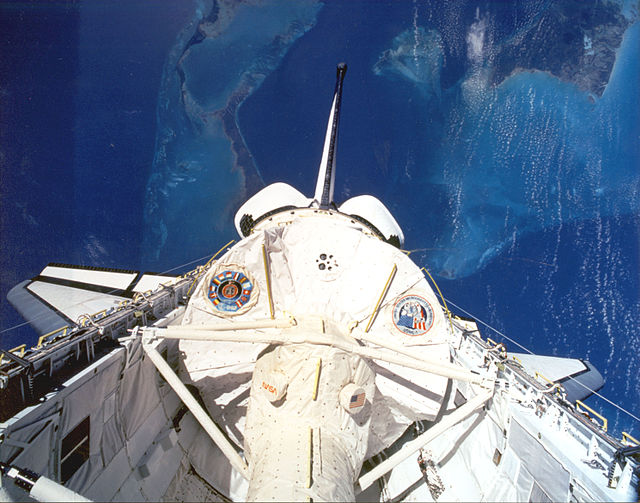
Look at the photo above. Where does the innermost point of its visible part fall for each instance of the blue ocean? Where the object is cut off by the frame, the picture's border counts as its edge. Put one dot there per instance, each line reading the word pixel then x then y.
pixel 503 136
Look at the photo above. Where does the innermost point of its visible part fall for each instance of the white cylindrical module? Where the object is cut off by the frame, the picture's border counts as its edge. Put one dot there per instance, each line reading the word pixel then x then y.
pixel 305 444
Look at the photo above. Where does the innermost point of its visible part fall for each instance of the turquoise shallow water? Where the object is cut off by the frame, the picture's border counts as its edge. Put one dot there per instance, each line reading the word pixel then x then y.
pixel 505 143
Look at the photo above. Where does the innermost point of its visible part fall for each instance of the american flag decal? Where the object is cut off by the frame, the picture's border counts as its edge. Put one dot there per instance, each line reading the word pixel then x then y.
pixel 357 401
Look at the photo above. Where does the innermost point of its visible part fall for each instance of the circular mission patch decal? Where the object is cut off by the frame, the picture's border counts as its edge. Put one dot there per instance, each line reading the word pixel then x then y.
pixel 229 291
pixel 413 315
